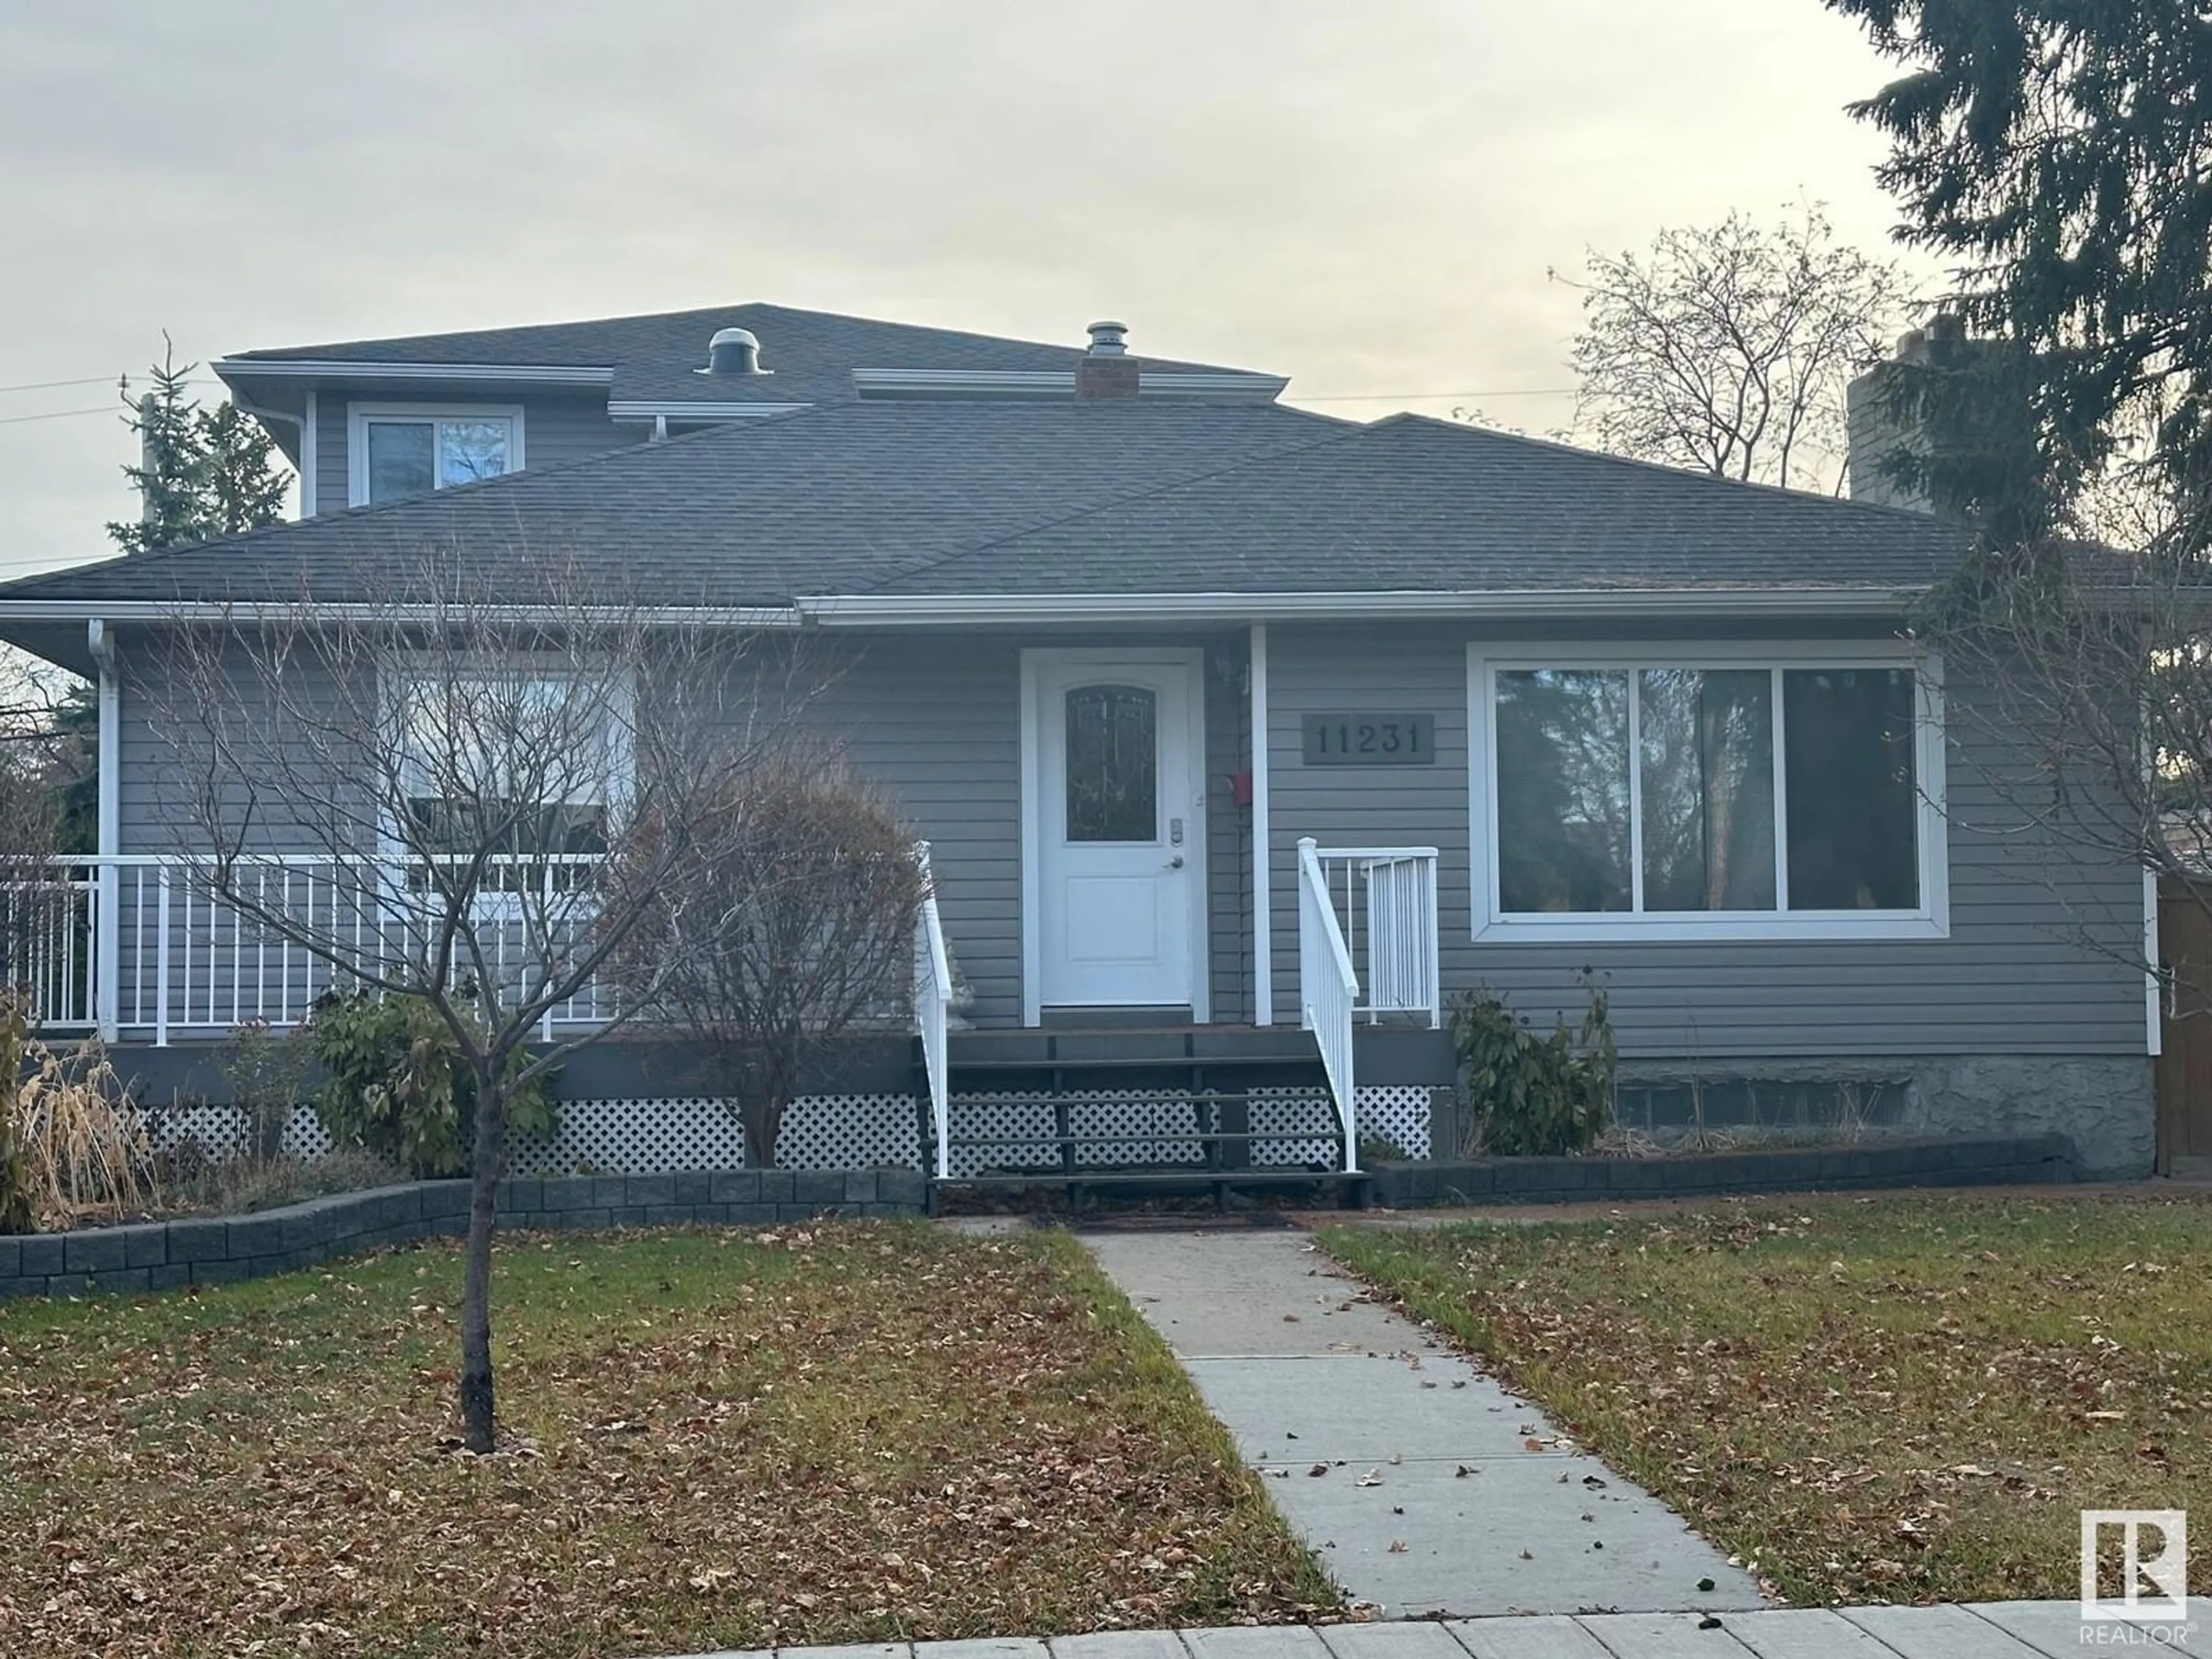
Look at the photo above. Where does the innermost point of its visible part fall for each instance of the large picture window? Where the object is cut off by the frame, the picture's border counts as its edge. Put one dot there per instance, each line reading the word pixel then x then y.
pixel 1707 793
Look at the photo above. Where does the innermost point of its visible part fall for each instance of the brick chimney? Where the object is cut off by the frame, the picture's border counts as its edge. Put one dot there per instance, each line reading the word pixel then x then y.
pixel 1939 397
pixel 1106 369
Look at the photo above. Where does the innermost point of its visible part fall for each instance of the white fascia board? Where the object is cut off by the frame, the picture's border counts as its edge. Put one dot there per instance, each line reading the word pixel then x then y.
pixel 300 612
pixel 1058 383
pixel 643 409
pixel 879 610
pixel 324 369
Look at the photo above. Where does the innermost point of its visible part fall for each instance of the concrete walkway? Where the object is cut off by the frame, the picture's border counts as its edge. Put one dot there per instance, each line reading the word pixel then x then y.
pixel 1997 1630
pixel 1423 1488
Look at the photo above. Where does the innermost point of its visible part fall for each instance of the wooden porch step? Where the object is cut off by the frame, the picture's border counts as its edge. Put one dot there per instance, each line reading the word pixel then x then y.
pixel 1351 1190
pixel 1137 1063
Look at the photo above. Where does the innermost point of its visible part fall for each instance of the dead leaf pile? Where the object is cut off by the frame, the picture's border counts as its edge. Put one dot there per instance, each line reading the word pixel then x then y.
pixel 1900 1399
pixel 841 1435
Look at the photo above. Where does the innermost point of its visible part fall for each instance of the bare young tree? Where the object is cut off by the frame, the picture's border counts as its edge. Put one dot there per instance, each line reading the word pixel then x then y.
pixel 1725 348
pixel 424 794
pixel 2082 703
pixel 783 930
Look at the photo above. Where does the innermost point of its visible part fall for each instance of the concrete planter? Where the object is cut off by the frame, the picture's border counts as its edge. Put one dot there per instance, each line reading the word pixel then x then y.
pixel 162 1256
pixel 1951 1161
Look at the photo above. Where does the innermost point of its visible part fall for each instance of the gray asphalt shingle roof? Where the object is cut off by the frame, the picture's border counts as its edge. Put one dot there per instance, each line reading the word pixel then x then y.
pixel 813 353
pixel 1069 497
pixel 1413 504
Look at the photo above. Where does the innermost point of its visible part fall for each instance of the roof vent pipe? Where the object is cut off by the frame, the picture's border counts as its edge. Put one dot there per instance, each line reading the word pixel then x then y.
pixel 1110 339
pixel 734 351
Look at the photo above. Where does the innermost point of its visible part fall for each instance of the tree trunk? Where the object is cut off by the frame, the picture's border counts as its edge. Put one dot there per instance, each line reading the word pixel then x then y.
pixel 762 1113
pixel 479 1420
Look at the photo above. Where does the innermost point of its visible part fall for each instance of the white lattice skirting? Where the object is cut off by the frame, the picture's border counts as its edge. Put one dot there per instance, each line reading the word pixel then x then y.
pixel 862 1131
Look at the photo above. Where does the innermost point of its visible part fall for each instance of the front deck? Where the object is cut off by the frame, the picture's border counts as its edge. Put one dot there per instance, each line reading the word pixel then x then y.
pixel 144 953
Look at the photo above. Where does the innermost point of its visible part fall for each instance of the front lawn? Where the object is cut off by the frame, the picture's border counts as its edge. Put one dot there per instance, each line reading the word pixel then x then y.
pixel 1891 1399
pixel 829 1434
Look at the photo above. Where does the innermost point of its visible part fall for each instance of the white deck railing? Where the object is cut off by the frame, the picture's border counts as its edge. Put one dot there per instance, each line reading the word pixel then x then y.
pixel 1328 992
pixel 932 1008
pixel 1384 899
pixel 1370 909
pixel 143 946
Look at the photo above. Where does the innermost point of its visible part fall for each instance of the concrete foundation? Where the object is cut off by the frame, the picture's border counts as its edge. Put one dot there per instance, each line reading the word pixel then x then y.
pixel 2102 1103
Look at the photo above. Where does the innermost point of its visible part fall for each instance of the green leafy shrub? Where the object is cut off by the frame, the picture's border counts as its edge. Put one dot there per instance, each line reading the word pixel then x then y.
pixel 398 1088
pixel 1531 1095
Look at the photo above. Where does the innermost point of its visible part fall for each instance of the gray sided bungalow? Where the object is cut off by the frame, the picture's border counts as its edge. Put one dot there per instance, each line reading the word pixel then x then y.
pixel 1234 731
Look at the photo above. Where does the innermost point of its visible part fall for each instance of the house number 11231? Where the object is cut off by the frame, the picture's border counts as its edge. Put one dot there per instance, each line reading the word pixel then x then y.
pixel 1370 740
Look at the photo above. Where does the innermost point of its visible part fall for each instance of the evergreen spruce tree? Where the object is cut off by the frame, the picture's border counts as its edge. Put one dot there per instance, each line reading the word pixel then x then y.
pixel 201 473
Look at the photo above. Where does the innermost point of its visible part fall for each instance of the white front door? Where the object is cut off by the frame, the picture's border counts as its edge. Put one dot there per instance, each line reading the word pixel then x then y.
pixel 1114 800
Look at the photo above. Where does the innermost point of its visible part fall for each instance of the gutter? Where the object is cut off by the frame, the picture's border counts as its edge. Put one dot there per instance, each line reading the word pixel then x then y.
pixel 1221 385
pixel 883 611
pixel 215 610
pixel 974 609
pixel 326 369
pixel 638 410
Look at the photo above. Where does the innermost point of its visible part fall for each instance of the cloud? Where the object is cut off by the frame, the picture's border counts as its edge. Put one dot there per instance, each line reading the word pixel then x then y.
pixel 1366 198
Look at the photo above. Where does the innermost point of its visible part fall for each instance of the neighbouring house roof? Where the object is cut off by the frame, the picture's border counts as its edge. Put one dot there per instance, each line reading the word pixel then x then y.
pixel 655 359
pixel 877 505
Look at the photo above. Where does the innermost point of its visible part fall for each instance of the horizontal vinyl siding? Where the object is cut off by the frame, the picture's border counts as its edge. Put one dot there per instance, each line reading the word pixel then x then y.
pixel 938 722
pixel 940 729
pixel 2014 976
pixel 1228 834
pixel 556 429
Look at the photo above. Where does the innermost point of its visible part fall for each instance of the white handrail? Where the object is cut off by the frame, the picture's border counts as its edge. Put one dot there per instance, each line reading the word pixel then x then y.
pixel 1385 902
pixel 1328 991
pixel 932 1003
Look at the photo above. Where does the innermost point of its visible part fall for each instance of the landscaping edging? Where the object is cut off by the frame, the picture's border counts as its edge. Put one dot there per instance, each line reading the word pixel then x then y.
pixel 160 1255
pixel 1950 1161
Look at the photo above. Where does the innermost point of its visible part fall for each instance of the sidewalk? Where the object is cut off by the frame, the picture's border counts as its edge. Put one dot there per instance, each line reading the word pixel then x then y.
pixel 1423 1487
pixel 1996 1629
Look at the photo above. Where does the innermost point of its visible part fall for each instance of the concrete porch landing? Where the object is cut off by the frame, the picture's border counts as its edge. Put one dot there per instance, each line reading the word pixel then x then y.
pixel 1423 1488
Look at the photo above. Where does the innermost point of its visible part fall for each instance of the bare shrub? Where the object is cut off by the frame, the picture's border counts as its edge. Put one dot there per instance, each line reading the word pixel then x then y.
pixel 268 1072
pixel 786 929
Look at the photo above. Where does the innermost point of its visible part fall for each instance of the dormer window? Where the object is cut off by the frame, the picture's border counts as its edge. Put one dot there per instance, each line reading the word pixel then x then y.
pixel 398 452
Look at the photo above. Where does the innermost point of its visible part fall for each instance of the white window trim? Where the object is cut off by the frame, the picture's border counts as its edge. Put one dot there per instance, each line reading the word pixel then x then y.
pixel 358 415
pixel 1493 926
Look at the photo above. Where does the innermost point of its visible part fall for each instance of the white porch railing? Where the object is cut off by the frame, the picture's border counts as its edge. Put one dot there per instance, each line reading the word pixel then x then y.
pixel 1370 907
pixel 1384 899
pixel 142 946
pixel 933 1005
pixel 1328 992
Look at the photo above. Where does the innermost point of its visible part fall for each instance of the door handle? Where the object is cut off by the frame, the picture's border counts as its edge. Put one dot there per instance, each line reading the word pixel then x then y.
pixel 1175 863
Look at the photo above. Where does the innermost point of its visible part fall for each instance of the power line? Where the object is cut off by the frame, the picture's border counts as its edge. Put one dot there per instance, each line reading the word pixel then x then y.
pixel 116 410
pixel 50 386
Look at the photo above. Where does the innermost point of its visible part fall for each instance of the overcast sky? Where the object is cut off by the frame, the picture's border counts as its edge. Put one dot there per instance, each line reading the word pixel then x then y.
pixel 1363 194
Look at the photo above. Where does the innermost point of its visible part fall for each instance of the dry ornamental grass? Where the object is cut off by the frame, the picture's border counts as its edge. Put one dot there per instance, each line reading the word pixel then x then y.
pixel 837 1434
pixel 1902 1399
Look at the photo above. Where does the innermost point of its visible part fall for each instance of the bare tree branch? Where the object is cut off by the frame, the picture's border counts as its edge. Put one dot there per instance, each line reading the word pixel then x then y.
pixel 433 798
pixel 1726 349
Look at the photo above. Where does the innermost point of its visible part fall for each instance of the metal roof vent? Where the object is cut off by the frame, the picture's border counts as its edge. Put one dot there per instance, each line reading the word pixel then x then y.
pixel 733 351
pixel 1110 339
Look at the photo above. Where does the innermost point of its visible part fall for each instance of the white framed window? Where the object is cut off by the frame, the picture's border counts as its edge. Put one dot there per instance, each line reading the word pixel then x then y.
pixel 396 451
pixel 1719 791
pixel 534 763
